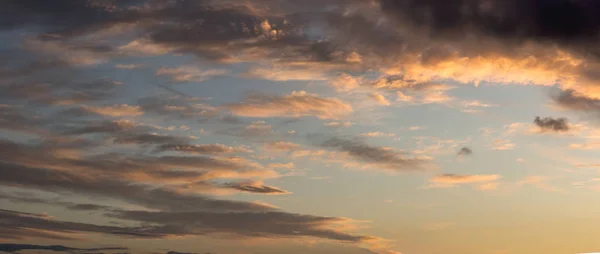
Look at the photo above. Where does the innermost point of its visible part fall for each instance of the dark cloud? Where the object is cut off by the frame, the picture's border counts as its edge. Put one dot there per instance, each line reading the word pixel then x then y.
pixel 251 224
pixel 572 100
pixel 176 252
pixel 158 198
pixel 555 21
pixel 136 167
pixel 68 205
pixel 465 151
pixel 551 124
pixel 378 156
pixel 13 247
pixel 57 87
pixel 17 221
pixel 253 187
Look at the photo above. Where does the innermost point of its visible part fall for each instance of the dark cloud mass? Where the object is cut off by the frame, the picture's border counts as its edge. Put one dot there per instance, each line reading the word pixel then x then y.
pixel 176 252
pixel 552 124
pixel 465 151
pixel 558 21
pixel 13 247
pixel 574 101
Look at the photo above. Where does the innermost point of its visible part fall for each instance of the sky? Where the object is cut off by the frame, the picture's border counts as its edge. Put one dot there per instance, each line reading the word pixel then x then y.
pixel 299 126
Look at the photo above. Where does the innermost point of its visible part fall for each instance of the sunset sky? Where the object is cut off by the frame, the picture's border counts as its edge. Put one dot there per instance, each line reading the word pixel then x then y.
pixel 300 126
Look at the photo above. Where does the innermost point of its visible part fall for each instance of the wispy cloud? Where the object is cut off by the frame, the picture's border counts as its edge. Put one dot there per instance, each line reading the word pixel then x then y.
pixel 482 182
pixel 379 157
pixel 190 73
pixel 295 104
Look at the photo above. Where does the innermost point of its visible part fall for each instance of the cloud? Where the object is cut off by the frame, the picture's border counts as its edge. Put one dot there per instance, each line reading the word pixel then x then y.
pixel 268 224
pixel 177 106
pixel 13 247
pixel 255 187
pixel 508 21
pixel 345 82
pixel 275 73
pixel 128 66
pixel 379 99
pixel 175 212
pixel 18 220
pixel 474 106
pixel 298 103
pixel 338 124
pixel 465 151
pixel 295 104
pixel 585 146
pixel 176 252
pixel 189 73
pixel 383 158
pixel 483 182
pixel 551 124
pixel 203 148
pixel 281 146
pixel 461 179
pixel 258 128
pixel 116 110
pixel 31 199
pixel 576 101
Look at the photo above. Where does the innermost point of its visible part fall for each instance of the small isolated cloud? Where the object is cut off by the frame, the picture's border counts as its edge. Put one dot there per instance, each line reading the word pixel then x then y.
pixel 462 179
pixel 379 98
pixel 189 73
pixel 465 151
pixel 483 182
pixel 552 124
pixel 295 104
pixel 477 104
pixel 338 124
pixel 474 106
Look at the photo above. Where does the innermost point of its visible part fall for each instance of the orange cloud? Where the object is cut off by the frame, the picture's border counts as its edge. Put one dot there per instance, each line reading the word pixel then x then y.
pixel 379 99
pixel 295 104
pixel 116 110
